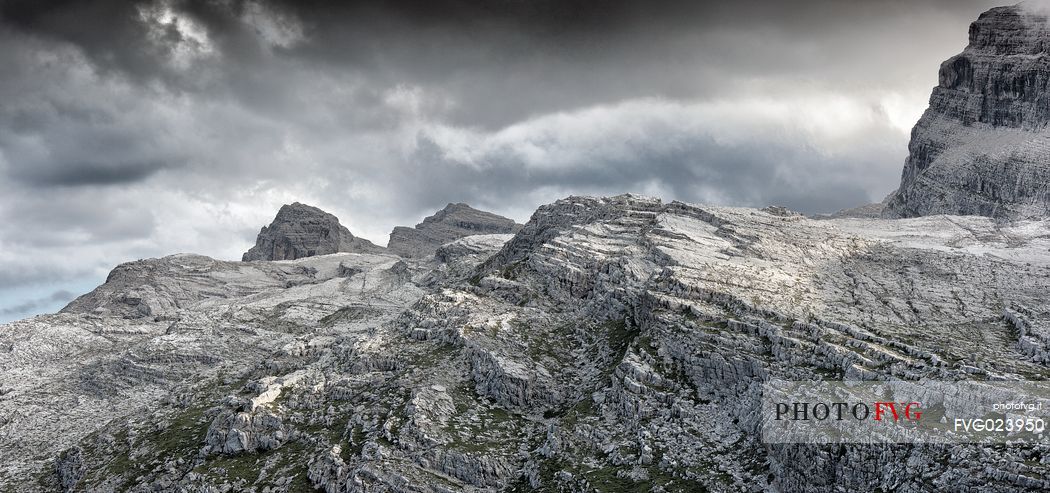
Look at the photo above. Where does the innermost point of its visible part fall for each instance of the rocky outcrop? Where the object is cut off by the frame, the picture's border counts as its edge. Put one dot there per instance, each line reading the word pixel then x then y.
pixel 982 147
pixel 613 344
pixel 70 468
pixel 1033 331
pixel 208 322
pixel 300 230
pixel 453 222
pixel 157 288
pixel 241 432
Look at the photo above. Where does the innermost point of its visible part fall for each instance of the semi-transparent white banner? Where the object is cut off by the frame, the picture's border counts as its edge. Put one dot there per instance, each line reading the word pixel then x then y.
pixel 905 412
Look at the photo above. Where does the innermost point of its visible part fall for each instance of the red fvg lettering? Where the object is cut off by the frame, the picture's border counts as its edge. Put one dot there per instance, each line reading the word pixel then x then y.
pixel 912 415
pixel 881 406
pixel 909 415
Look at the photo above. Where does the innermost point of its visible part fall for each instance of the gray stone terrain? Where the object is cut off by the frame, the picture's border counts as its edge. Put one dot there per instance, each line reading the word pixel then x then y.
pixel 610 344
pixel 982 147
pixel 452 222
pixel 300 230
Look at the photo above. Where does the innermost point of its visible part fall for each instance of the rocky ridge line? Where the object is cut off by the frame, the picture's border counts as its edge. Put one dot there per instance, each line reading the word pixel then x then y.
pixel 450 223
pixel 982 147
pixel 300 230
pixel 612 344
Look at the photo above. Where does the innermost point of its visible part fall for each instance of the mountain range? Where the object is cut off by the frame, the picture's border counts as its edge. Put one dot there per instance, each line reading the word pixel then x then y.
pixel 608 344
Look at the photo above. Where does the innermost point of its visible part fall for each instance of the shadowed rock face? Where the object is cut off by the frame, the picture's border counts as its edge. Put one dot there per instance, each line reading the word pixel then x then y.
pixel 300 230
pixel 453 222
pixel 982 147
pixel 610 334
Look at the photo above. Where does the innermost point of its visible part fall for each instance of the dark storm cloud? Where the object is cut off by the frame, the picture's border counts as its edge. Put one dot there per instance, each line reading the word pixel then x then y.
pixel 88 173
pixel 510 59
pixel 480 64
pixel 112 33
pixel 131 129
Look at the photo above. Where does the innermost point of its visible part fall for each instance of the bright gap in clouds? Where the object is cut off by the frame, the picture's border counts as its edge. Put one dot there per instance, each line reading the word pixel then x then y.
pixel 136 130
pixel 702 151
pixel 731 151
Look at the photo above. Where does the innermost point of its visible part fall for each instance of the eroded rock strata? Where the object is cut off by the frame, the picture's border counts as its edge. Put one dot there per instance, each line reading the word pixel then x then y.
pixel 300 230
pixel 612 343
pixel 982 146
pixel 450 223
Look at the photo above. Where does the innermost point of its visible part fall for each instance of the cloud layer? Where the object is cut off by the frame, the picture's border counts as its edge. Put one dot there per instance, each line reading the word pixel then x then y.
pixel 138 129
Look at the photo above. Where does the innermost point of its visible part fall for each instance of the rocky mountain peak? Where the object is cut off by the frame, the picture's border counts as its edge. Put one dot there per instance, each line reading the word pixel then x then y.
pixel 1010 30
pixel 452 210
pixel 454 221
pixel 297 208
pixel 301 230
pixel 1000 77
pixel 620 320
pixel 982 146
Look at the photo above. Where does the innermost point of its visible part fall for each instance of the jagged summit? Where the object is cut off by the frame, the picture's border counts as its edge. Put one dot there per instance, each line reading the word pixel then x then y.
pixel 300 230
pixel 611 344
pixel 618 320
pixel 453 222
pixel 982 146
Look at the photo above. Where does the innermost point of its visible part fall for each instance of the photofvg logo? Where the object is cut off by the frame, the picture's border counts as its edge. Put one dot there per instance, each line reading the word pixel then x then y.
pixel 860 411
pixel 905 412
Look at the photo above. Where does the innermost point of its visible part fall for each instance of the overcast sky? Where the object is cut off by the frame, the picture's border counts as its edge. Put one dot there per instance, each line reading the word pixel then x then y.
pixel 141 129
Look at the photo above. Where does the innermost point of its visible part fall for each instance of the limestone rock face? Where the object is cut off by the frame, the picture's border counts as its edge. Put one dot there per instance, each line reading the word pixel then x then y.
pixel 982 146
pixel 300 230
pixel 613 344
pixel 453 222
pixel 158 288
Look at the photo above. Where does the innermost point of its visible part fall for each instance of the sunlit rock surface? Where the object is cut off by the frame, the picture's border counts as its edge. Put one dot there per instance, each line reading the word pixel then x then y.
pixel 610 344
pixel 613 343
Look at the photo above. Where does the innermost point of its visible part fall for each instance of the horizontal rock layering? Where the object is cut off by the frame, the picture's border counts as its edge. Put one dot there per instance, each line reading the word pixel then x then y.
pixel 300 230
pixel 610 344
pixel 452 222
pixel 613 343
pixel 982 146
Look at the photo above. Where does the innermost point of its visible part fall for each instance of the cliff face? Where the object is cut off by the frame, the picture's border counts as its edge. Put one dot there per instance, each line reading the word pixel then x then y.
pixel 982 146
pixel 612 344
pixel 300 230
pixel 453 222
